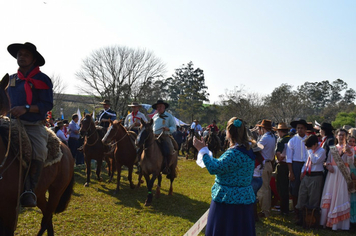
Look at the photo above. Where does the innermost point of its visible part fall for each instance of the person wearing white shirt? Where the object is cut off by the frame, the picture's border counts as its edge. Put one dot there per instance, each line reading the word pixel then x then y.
pixel 268 144
pixel 133 120
pixel 196 127
pixel 312 179
pixel 59 130
pixel 296 156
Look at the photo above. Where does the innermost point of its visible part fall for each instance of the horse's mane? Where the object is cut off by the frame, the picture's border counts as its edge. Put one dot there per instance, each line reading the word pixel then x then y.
pixel 4 98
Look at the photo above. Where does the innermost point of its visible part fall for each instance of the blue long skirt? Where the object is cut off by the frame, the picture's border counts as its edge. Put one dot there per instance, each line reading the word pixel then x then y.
pixel 230 219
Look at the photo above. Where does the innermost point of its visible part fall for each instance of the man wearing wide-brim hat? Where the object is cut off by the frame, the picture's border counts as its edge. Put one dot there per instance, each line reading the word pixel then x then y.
pixel 196 126
pixel 282 180
pixel 133 120
pixel 106 115
pixel 164 125
pixel 31 97
pixel 297 154
pixel 268 144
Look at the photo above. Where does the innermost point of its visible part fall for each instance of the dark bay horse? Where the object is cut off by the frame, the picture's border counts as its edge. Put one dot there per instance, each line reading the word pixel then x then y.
pixel 151 161
pixel 189 144
pixel 125 151
pixel 56 179
pixel 94 148
pixel 213 142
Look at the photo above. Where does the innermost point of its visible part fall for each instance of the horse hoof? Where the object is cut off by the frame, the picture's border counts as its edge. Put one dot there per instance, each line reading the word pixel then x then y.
pixel 147 203
pixel 100 179
pixel 86 184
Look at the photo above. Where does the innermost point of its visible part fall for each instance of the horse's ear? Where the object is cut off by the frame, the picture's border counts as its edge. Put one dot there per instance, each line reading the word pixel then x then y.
pixel 143 122
pixel 5 81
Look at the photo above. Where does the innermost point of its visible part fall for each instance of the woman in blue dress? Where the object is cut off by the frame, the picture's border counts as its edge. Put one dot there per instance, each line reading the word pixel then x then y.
pixel 231 208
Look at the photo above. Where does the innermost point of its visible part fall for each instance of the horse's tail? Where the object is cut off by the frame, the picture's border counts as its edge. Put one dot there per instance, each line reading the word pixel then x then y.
pixel 65 198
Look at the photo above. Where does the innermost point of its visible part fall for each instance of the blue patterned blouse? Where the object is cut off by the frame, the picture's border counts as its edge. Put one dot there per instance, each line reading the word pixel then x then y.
pixel 234 173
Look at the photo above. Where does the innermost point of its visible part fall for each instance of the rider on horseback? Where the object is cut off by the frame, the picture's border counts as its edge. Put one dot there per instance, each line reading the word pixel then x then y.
pixel 164 125
pixel 31 96
pixel 214 133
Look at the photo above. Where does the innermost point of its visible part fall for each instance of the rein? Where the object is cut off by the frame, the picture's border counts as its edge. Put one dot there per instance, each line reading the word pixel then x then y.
pixel 88 136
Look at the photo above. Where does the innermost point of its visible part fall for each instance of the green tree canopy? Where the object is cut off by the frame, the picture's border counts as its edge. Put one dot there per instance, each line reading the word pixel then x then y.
pixel 344 118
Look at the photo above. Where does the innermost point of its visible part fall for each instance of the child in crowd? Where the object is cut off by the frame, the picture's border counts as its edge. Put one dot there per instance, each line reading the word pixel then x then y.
pixel 311 176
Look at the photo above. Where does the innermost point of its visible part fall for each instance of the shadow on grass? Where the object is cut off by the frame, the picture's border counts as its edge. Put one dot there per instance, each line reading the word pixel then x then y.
pixel 178 205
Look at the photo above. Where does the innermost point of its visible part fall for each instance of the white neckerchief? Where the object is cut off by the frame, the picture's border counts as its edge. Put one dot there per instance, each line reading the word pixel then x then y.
pixel 105 111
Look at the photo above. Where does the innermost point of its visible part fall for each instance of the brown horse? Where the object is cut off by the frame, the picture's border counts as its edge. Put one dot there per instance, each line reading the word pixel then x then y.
pixel 151 161
pixel 94 148
pixel 189 144
pixel 213 142
pixel 125 151
pixel 57 179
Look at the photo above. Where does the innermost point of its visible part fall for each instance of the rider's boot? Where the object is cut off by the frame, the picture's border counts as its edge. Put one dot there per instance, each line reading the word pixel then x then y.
pixel 28 197
pixel 166 169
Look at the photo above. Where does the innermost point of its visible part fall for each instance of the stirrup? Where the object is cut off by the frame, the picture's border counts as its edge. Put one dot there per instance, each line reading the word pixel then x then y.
pixel 33 195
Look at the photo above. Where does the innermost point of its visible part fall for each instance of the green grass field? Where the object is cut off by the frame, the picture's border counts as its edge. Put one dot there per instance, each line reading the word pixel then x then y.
pixel 96 211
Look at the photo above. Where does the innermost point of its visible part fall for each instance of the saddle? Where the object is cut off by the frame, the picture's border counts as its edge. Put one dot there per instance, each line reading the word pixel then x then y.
pixel 54 154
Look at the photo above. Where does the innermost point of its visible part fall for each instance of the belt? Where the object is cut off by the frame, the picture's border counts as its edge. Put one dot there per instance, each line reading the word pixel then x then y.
pixel 299 162
pixel 282 163
pixel 268 161
pixel 315 173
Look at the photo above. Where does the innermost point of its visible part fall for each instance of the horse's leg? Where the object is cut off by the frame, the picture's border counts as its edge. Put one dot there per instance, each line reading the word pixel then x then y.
pixel 132 186
pixel 158 189
pixel 88 165
pixel 118 168
pixel 41 203
pixel 148 201
pixel 98 169
pixel 108 162
pixel 139 179
pixel 170 193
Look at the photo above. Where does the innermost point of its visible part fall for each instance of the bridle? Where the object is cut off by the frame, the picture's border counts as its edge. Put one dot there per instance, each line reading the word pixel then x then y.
pixel 89 136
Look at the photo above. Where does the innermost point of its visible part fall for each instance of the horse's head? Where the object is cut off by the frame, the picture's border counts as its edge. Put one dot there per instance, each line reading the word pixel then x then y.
pixel 146 130
pixel 113 129
pixel 4 99
pixel 85 124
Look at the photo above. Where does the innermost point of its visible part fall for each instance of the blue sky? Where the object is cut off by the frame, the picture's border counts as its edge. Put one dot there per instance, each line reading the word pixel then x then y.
pixel 255 44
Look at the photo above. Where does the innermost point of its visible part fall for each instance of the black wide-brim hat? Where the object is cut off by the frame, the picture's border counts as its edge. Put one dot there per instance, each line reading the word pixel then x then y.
pixel 297 122
pixel 326 126
pixel 154 106
pixel 14 48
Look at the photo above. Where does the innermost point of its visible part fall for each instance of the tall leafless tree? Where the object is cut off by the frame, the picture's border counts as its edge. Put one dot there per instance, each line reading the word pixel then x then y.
pixel 120 74
pixel 58 93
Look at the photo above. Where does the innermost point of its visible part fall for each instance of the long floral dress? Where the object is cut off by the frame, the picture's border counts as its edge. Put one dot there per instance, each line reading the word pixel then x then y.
pixel 335 201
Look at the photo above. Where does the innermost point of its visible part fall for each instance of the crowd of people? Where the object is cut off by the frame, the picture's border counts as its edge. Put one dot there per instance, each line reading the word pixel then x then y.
pixel 312 167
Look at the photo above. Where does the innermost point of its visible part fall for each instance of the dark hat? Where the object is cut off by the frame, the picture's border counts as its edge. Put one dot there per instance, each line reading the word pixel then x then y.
pixel 292 131
pixel 14 48
pixel 106 102
pixel 154 106
pixel 267 124
pixel 282 126
pixel 326 126
pixel 59 124
pixel 214 121
pixel 310 127
pixel 296 122
pixel 195 120
pixel 135 104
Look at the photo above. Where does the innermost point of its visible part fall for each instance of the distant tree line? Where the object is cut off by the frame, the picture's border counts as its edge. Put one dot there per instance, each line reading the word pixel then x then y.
pixel 123 75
